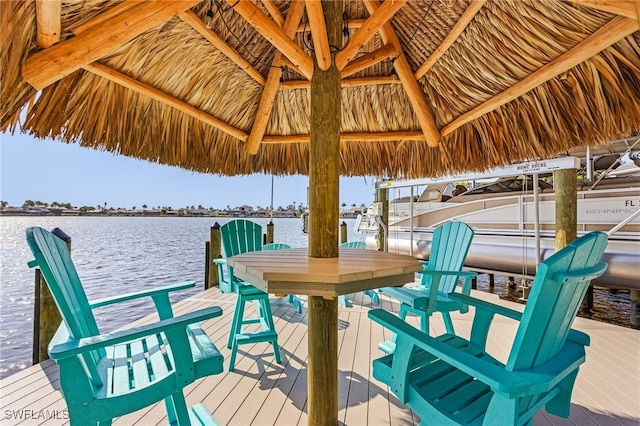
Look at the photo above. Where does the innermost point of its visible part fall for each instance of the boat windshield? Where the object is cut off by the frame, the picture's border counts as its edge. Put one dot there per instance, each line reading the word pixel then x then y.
pixel 516 184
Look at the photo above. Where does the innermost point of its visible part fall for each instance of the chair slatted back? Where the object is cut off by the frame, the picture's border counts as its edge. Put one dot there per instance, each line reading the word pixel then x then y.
pixel 240 236
pixel 276 246
pixel 354 244
pixel 449 247
pixel 53 259
pixel 554 300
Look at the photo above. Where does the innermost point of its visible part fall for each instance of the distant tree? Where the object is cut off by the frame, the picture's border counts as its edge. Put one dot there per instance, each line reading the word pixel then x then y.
pixel 343 205
pixel 28 203
pixel 353 205
pixel 144 206
pixel 3 204
pixel 133 208
pixel 362 205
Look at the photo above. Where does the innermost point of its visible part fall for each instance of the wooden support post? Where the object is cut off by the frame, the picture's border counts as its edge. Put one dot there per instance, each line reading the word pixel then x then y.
pixel 324 196
pixel 492 283
pixel 566 189
pixel 215 252
pixel 207 263
pixel 474 283
pixel 323 361
pixel 270 236
pixel 47 318
pixel 565 183
pixel 381 197
pixel 343 232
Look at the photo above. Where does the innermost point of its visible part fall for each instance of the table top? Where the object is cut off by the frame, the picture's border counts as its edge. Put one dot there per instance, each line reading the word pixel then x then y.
pixel 292 271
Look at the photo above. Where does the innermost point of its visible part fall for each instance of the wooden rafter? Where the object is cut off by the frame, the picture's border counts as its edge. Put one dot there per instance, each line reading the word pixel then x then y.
pixel 617 29
pixel 319 33
pixel 351 23
pixel 370 59
pixel 457 29
pixel 347 82
pixel 50 65
pixel 376 20
pixel 351 137
pixel 48 22
pixel 408 79
pixel 618 7
pixel 105 16
pixel 147 90
pixel 273 10
pixel 283 61
pixel 274 34
pixel 270 90
pixel 194 20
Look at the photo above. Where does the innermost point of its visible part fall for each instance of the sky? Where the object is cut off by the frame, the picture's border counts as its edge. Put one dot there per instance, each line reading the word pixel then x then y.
pixel 51 171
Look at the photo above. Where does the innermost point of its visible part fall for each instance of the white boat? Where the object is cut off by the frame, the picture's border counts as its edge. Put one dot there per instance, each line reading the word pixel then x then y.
pixel 514 223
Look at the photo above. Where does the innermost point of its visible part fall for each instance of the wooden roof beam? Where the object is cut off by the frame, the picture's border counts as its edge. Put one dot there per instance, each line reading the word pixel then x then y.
pixel 296 10
pixel 414 92
pixel 610 33
pixel 457 29
pixel 274 34
pixel 319 33
pixel 48 25
pixel 273 10
pixel 50 65
pixel 160 96
pixel 194 20
pixel 105 16
pixel 370 59
pixel 376 20
pixel 347 82
pixel 351 137
pixel 618 7
pixel 351 23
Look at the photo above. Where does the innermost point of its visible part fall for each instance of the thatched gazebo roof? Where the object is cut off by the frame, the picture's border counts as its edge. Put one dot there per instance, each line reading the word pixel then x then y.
pixel 429 86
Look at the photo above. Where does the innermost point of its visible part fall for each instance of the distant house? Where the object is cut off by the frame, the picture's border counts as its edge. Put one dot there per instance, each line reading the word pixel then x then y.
pixel 9 210
pixel 351 213
pixel 248 210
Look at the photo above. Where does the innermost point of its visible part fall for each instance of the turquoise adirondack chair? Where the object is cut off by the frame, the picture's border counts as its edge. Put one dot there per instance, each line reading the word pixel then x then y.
pixel 344 301
pixel 243 236
pixel 103 376
pixel 452 380
pixel 440 276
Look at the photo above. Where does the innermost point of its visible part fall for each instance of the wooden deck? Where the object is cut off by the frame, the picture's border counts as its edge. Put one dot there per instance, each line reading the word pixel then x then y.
pixel 261 392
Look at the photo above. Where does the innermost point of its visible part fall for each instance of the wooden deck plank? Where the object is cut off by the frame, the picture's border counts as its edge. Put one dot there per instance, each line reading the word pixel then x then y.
pixel 261 392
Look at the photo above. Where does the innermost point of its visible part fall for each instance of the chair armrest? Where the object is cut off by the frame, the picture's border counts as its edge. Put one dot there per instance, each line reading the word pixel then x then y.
pixel 487 306
pixel 76 347
pixel 467 275
pixel 221 262
pixel 509 383
pixel 144 293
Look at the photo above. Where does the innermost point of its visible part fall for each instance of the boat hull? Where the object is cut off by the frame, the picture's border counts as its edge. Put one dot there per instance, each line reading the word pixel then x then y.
pixel 517 255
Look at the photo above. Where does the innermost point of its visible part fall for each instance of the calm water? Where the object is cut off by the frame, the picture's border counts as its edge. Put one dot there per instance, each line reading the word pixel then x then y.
pixel 117 255
pixel 113 255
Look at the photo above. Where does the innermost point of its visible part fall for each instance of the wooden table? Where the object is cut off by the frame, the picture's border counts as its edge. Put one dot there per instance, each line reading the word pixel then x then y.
pixel 294 272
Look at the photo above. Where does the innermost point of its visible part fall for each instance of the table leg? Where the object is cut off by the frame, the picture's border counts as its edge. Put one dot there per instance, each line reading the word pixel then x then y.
pixel 322 376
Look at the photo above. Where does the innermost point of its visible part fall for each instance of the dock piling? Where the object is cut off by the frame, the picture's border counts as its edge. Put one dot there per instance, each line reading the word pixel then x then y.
pixel 215 252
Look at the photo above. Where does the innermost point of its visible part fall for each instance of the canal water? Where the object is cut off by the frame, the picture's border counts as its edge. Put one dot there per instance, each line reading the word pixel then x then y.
pixel 117 255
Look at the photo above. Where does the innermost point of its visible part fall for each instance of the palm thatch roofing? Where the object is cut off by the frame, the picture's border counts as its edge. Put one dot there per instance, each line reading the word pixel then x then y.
pixel 428 86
